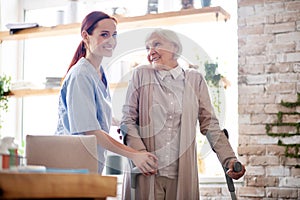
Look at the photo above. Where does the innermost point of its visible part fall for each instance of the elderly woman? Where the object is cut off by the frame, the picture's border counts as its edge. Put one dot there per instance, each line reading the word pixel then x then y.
pixel 160 114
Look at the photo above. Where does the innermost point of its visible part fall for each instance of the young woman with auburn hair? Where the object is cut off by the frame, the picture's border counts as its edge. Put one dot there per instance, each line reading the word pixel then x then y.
pixel 84 100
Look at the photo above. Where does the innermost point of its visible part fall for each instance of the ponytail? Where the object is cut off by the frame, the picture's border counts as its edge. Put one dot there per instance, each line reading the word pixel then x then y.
pixel 79 53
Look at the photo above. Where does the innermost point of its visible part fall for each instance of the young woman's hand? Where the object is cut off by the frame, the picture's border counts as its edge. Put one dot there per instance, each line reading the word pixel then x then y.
pixel 146 162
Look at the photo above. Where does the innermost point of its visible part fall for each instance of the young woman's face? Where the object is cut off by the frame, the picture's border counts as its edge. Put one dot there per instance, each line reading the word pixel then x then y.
pixel 103 40
pixel 160 52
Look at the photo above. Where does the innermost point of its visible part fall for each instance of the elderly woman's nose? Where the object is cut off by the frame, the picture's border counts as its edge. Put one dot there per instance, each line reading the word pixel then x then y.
pixel 151 50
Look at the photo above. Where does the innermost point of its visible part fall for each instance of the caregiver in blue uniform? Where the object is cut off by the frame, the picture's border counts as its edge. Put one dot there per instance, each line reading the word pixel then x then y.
pixel 84 100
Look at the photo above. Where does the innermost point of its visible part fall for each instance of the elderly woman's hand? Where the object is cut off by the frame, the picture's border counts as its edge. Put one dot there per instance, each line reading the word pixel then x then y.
pixel 146 162
pixel 233 174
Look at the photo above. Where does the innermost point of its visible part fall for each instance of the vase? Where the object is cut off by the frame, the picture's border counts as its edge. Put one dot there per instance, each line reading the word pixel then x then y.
pixel 205 3
pixel 187 4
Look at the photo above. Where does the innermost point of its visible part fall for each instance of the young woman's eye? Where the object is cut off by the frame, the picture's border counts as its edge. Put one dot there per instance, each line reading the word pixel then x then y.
pixel 105 35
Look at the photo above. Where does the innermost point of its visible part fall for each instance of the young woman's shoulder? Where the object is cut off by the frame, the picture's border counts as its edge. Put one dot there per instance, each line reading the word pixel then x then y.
pixel 79 72
pixel 82 68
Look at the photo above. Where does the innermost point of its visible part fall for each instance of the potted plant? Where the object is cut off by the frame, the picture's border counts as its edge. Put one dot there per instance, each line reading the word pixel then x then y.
pixel 4 92
pixel 213 81
pixel 212 78
pixel 205 3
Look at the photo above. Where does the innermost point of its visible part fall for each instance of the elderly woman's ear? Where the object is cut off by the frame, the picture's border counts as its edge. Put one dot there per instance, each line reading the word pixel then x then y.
pixel 176 51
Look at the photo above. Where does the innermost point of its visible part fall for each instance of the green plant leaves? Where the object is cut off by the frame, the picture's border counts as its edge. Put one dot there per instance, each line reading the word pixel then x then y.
pixel 4 92
pixel 211 77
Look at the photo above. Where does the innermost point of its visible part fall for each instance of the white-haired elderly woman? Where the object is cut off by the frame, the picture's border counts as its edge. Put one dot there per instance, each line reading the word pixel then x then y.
pixel 163 103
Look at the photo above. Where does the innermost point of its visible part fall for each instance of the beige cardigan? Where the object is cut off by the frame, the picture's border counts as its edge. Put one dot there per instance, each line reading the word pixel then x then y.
pixel 137 125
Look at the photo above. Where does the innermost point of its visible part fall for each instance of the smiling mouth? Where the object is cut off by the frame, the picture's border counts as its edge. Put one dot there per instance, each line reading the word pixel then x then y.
pixel 108 48
pixel 155 58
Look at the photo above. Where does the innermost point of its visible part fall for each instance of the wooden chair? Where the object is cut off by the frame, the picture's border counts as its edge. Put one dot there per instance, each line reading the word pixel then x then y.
pixel 62 151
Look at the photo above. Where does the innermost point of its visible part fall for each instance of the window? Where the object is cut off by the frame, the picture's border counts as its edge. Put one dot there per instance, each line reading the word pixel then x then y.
pixel 44 57
pixel 49 57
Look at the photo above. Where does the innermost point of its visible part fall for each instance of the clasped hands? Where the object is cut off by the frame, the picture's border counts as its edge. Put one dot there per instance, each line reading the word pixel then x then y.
pixel 146 162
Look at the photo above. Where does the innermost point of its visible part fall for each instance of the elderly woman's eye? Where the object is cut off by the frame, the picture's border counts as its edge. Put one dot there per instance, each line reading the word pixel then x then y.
pixel 156 44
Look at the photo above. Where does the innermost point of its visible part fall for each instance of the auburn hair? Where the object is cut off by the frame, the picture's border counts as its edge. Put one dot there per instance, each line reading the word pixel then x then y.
pixel 88 24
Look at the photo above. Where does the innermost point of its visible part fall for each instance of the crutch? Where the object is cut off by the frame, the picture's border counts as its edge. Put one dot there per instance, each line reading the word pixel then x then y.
pixel 237 167
pixel 134 172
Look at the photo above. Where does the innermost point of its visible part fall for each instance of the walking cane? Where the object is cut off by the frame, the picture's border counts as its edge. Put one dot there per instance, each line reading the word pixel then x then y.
pixel 237 167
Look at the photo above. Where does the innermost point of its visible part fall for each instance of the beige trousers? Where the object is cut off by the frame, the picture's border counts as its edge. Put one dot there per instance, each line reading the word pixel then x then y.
pixel 165 188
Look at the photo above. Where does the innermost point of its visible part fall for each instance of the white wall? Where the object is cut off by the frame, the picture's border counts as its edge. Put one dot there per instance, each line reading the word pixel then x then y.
pixel 11 61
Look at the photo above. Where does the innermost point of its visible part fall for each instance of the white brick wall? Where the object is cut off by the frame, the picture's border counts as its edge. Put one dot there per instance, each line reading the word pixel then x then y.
pixel 269 72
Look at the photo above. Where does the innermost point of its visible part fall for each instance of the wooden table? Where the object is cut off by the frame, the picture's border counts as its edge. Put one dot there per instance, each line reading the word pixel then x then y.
pixel 54 185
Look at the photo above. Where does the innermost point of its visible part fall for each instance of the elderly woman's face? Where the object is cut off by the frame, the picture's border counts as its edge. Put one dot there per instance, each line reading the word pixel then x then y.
pixel 161 52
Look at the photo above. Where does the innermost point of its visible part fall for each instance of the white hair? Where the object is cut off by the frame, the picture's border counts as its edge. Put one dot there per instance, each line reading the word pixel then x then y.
pixel 168 35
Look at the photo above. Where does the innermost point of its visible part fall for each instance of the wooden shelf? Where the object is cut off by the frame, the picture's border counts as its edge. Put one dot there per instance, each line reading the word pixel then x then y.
pixel 54 91
pixel 207 14
pixel 34 92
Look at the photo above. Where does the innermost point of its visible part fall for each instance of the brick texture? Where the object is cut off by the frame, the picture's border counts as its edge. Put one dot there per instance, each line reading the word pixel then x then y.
pixel 268 74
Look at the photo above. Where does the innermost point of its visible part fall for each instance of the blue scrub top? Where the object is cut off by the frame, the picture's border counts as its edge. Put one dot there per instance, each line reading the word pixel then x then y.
pixel 84 104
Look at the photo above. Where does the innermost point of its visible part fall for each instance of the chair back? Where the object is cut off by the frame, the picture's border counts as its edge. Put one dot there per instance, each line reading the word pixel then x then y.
pixel 63 151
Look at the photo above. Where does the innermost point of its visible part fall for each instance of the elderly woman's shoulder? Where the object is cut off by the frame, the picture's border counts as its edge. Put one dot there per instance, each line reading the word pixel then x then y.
pixel 193 71
pixel 143 68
